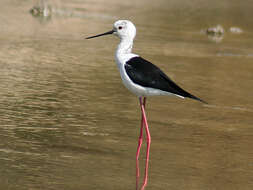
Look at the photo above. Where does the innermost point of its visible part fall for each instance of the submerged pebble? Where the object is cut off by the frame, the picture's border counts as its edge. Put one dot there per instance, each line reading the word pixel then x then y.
pixel 41 11
pixel 217 30
pixel 217 33
pixel 235 30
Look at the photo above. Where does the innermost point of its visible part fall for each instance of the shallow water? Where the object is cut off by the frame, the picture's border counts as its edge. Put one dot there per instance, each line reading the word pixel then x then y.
pixel 67 122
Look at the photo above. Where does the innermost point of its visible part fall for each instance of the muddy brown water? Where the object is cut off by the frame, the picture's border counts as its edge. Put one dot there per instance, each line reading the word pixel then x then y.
pixel 67 122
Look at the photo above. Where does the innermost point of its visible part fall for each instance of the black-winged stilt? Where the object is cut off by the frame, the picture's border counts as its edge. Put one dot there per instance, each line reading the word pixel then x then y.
pixel 142 78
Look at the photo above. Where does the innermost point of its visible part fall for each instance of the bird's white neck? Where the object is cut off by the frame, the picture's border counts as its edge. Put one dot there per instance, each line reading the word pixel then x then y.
pixel 124 52
pixel 125 46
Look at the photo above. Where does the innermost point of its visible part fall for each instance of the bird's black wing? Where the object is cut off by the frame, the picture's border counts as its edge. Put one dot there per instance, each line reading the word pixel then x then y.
pixel 146 74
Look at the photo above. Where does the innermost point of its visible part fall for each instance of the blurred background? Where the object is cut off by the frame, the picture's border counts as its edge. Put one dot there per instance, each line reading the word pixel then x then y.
pixel 67 122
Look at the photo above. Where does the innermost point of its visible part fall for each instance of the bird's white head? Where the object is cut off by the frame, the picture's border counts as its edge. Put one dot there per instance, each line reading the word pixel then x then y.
pixel 124 29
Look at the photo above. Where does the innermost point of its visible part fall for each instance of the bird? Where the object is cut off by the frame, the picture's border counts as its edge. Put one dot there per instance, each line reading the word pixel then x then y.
pixel 143 79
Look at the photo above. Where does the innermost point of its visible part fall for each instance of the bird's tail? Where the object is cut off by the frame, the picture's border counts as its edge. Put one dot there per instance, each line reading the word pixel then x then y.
pixel 195 98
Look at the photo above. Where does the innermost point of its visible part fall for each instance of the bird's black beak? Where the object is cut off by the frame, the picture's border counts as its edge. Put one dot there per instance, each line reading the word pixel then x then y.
pixel 106 33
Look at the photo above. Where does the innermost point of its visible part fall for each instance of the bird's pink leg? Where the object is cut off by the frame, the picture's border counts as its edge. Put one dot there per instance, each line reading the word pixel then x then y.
pixel 139 143
pixel 141 131
pixel 148 139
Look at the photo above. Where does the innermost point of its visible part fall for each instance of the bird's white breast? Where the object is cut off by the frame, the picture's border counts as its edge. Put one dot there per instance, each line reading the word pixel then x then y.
pixel 121 60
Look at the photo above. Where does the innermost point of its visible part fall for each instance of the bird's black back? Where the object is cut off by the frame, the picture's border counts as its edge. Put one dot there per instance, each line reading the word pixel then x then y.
pixel 146 74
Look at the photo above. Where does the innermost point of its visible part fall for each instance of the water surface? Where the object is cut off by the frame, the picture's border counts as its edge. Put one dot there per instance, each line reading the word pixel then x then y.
pixel 67 122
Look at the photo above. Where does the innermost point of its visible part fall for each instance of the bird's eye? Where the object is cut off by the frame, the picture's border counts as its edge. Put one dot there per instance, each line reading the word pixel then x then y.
pixel 120 27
